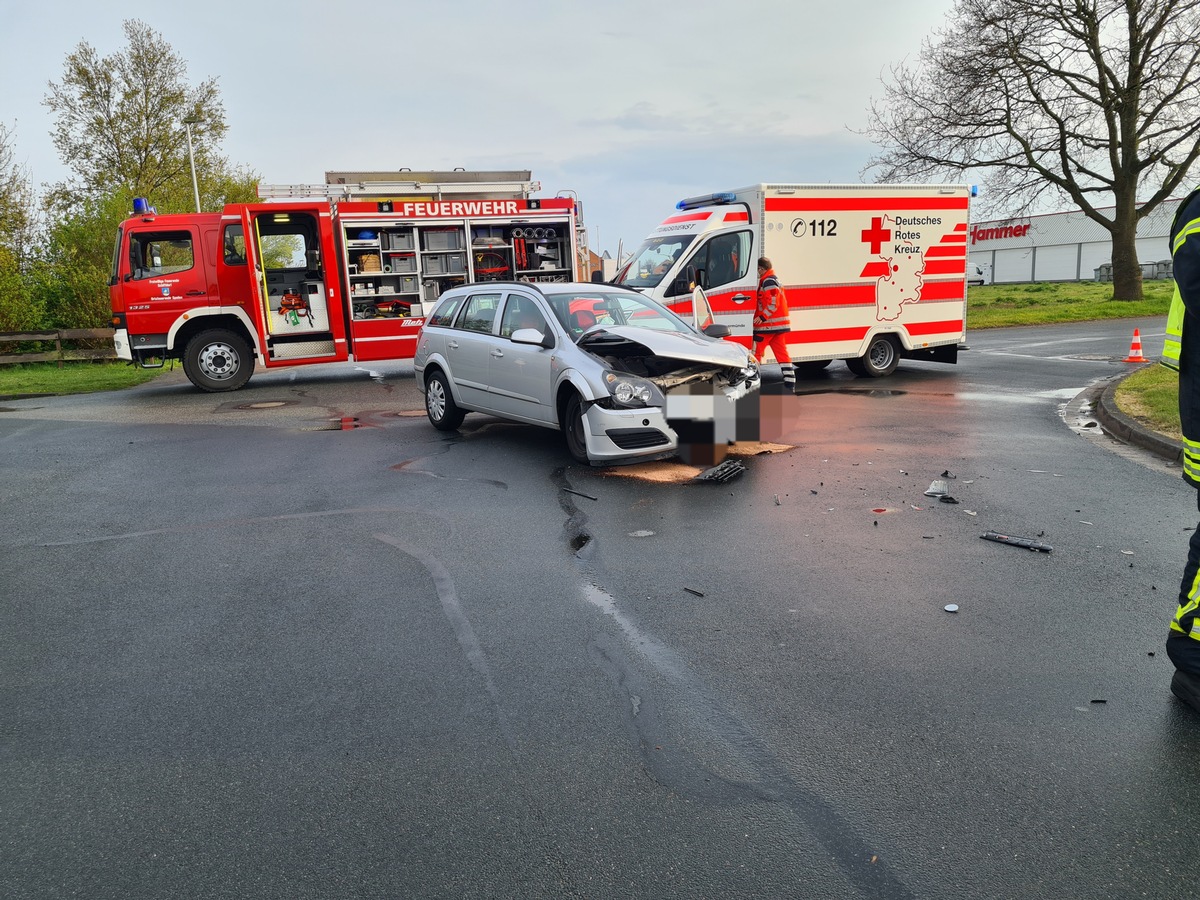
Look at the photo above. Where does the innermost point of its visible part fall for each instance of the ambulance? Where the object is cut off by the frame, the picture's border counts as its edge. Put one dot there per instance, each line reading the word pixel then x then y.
pixel 873 273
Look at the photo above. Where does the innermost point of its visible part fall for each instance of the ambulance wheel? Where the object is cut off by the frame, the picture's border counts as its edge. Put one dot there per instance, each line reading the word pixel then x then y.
pixel 881 358
pixel 574 430
pixel 444 414
pixel 218 360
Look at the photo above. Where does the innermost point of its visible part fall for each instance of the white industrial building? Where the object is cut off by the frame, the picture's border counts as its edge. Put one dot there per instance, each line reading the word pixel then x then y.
pixel 1066 246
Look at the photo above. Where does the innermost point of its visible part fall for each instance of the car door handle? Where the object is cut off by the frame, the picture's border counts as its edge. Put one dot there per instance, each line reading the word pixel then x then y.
pixel 196 294
pixel 497 352
pixel 740 298
pixel 453 345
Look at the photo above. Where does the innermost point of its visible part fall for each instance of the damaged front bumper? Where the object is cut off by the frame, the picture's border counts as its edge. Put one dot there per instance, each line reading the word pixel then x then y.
pixel 697 411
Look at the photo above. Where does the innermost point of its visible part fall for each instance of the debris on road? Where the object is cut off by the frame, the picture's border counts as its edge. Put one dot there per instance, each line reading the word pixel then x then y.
pixel 1027 543
pixel 722 472
pixel 947 499
pixel 693 592
pixel 580 494
pixel 937 489
pixel 951 607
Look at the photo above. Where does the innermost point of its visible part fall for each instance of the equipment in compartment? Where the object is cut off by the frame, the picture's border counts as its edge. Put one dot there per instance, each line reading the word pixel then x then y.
pixel 398 240
pixel 491 265
pixel 537 248
pixel 441 239
pixel 402 262
pixel 444 263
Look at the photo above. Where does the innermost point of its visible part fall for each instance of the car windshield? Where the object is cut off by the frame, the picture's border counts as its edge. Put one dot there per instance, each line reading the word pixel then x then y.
pixel 653 261
pixel 579 311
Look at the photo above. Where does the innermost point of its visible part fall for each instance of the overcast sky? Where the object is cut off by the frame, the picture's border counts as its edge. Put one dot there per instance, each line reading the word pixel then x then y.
pixel 632 105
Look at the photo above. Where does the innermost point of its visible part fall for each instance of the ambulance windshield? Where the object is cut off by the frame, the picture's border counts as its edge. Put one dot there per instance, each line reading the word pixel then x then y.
pixel 652 261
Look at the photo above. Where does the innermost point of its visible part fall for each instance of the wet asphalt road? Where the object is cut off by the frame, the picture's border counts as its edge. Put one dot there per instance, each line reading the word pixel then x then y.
pixel 292 642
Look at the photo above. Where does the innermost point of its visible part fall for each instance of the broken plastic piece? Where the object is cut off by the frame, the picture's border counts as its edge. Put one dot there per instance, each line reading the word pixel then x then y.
pixel 696 593
pixel 1027 543
pixel 937 489
pixel 951 607
pixel 947 499
pixel 722 472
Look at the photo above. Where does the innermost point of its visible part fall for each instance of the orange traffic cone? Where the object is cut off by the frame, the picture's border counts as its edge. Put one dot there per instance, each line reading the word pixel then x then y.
pixel 1135 349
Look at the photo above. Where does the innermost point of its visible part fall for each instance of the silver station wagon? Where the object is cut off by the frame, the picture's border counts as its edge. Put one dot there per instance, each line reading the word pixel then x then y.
pixel 623 377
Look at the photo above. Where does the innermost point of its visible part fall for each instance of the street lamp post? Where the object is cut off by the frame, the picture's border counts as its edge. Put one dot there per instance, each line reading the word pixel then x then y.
pixel 188 123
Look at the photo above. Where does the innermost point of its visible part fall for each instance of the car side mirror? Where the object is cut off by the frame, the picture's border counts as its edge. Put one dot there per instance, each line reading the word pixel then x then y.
pixel 533 336
pixel 718 331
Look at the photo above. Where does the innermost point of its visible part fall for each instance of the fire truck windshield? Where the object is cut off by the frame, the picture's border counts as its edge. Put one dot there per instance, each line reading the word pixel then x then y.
pixel 652 261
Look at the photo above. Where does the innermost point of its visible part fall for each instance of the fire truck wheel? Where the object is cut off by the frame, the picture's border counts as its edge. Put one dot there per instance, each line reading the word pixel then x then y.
pixel 881 358
pixel 573 430
pixel 218 360
pixel 444 414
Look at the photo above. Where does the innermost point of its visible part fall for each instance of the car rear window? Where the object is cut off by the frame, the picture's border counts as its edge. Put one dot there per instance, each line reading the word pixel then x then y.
pixel 443 314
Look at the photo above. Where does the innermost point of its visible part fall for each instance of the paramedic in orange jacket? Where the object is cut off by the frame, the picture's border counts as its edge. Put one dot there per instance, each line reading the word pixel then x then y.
pixel 772 322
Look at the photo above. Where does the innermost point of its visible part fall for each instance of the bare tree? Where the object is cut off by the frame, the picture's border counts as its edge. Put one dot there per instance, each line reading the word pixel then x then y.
pixel 1094 101
pixel 120 117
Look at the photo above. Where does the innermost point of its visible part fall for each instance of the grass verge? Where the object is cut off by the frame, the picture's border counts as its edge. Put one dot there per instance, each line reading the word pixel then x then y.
pixel 1004 305
pixel 1150 395
pixel 74 377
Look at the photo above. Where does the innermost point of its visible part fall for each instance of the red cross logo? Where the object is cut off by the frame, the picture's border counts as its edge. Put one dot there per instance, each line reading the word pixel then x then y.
pixel 876 234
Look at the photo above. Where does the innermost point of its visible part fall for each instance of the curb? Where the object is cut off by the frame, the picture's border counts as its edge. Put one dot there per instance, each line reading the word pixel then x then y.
pixel 1130 431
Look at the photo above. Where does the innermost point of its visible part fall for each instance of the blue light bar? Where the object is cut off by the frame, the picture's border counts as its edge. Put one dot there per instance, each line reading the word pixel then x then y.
pixel 141 206
pixel 706 200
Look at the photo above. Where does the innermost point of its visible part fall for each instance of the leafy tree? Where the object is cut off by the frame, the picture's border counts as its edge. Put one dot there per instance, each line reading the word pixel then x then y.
pixel 1093 101
pixel 16 199
pixel 119 126
pixel 120 118
pixel 72 275
pixel 18 311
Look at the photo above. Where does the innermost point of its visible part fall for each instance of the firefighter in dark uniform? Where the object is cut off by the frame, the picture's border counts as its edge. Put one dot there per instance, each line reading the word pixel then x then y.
pixel 1181 351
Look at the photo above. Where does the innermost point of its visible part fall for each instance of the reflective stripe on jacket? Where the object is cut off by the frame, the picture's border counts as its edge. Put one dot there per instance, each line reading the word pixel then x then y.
pixel 1170 354
pixel 1180 352
pixel 1180 232
pixel 771 314
pixel 1185 621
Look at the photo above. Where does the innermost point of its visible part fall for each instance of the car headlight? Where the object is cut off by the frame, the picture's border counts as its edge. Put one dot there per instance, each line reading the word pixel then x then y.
pixel 632 392
pixel 750 370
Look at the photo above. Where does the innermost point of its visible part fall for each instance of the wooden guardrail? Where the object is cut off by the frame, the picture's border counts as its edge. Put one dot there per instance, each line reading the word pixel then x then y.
pixel 58 338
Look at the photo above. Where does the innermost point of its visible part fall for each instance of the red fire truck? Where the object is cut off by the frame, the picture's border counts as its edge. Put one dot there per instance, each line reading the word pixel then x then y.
pixel 323 273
